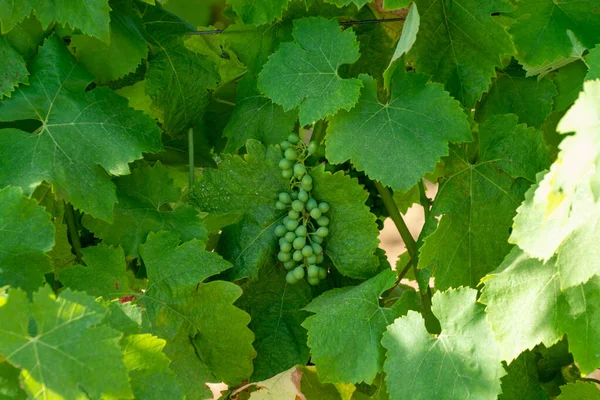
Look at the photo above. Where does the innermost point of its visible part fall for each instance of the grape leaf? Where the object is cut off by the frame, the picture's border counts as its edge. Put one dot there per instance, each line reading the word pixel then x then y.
pixel 193 316
pixel 522 380
pixel 59 346
pixel 139 100
pixel 126 50
pixel 353 317
pixel 411 131
pixel 464 356
pixel 285 385
pixel 460 44
pixel 304 73
pixel 395 4
pixel 560 214
pixel 569 82
pixel 478 199
pixel 407 40
pixel 314 389
pixel 579 391
pixel 593 60
pixel 106 273
pixel 276 311
pixel 10 389
pixel 81 130
pixel 148 368
pixel 145 205
pixel 26 234
pixel 91 17
pixel 125 317
pixel 178 79
pixel 512 92
pixel 256 117
pixel 353 233
pixel 258 12
pixel 245 186
pixel 13 69
pixel 343 3
pixel 547 31
pixel 26 36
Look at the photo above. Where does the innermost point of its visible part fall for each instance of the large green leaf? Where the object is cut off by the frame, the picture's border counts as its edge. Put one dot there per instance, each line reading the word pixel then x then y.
pixel 461 362
pixel 81 133
pixel 126 50
pixel 547 31
pixel 560 214
pixel 304 73
pixel 13 69
pixel 478 199
pixel 276 311
pixel 353 234
pixel 460 44
pixel 245 186
pixel 26 234
pixel 399 141
pixel 145 205
pixel 344 334
pixel 62 350
pixel 579 391
pixel 207 337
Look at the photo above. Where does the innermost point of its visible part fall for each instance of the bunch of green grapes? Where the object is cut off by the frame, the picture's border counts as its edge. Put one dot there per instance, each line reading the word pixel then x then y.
pixel 303 230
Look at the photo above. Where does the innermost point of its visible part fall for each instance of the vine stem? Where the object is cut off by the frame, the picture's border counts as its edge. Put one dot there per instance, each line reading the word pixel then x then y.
pixel 72 228
pixel 191 156
pixel 596 381
pixel 424 200
pixel 388 201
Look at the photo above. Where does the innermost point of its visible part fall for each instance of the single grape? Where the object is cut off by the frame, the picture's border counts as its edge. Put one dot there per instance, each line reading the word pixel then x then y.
pixel 283 257
pixel 322 232
pixel 297 256
pixel 298 273
pixel 303 195
pixel 312 259
pixel 322 273
pixel 280 231
pixel 287 173
pixel 289 265
pixel 316 239
pixel 313 281
pixel 284 163
pixel 285 220
pixel 307 180
pixel 313 271
pixel 320 258
pixel 307 251
pixel 299 170
pixel 290 278
pixel 323 221
pixel 280 206
pixel 315 213
pixel 301 231
pixel 282 241
pixel 310 204
pixel 291 225
pixel 313 147
pixel 290 154
pixel 286 247
pixel 299 243
pixel 317 248
pixel 290 237
pixel 293 214
pixel 294 194
pixel 285 145
pixel 293 138
pixel 285 198
pixel 324 207
pixel 298 205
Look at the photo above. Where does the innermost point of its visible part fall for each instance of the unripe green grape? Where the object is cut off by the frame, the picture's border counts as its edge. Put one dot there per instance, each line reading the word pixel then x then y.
pixel 293 214
pixel 312 259
pixel 286 247
pixel 299 170
pixel 285 198
pixel 287 173
pixel 285 220
pixel 294 194
pixel 285 145
pixel 320 258
pixel 315 213
pixel 290 237
pixel 298 205
pixel 310 204
pixel 322 232
pixel 317 248
pixel 323 221
pixel 283 257
pixel 303 195
pixel 282 241
pixel 313 281
pixel 307 251
pixel 290 154
pixel 307 180
pixel 289 265
pixel 313 271
pixel 317 239
pixel 280 231
pixel 290 278
pixel 284 163
pixel 280 206
pixel 298 273
pixel 301 231
pixel 297 256
pixel 313 147
pixel 324 207
pixel 293 138
pixel 291 225
pixel 322 273
pixel 299 243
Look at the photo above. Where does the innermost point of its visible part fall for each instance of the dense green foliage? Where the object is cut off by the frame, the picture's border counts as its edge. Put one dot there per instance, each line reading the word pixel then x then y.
pixel 191 192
